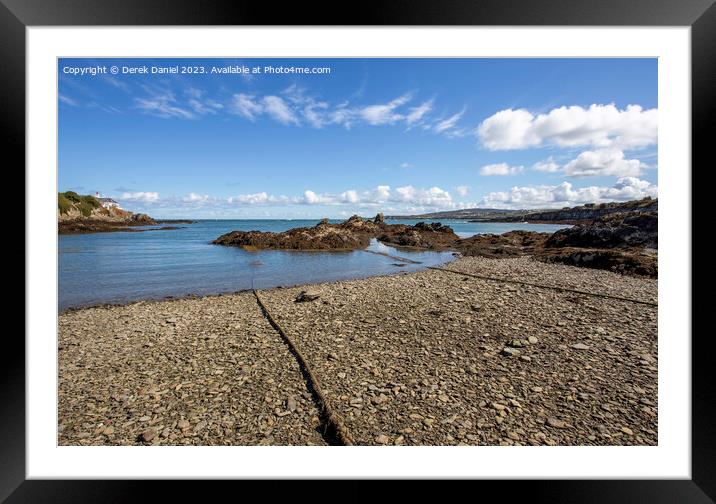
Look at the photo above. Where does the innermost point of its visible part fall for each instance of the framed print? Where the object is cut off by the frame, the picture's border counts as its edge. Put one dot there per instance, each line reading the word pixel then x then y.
pixel 417 243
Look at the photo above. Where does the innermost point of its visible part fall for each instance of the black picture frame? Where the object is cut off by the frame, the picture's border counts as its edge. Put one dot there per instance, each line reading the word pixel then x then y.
pixel 700 15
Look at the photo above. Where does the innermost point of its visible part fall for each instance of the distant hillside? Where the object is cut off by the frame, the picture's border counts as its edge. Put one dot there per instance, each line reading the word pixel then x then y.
pixel 581 213
pixel 467 213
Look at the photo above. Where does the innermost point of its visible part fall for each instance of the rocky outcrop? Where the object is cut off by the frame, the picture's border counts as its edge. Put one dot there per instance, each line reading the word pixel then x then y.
pixel 624 243
pixel 624 230
pixel 628 262
pixel 77 214
pixel 355 233
pixel 510 244
pixel 433 236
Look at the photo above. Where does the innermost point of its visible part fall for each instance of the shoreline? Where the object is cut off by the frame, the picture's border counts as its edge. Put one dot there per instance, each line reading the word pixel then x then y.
pixel 417 358
pixel 168 299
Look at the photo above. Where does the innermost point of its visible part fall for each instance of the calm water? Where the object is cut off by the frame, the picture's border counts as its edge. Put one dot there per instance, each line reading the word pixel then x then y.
pixel 122 267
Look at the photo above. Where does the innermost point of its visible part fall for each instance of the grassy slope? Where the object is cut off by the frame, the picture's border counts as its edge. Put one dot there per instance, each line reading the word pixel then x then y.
pixel 70 199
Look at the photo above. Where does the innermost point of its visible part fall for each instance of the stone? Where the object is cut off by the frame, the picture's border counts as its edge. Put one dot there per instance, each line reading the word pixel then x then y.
pixel 510 352
pixel 556 423
pixel 291 403
pixel 183 424
pixel 580 346
pixel 532 340
pixel 148 435
pixel 305 296
pixel 382 439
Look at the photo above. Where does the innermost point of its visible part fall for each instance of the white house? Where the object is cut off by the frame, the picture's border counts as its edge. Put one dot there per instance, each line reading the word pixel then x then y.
pixel 106 202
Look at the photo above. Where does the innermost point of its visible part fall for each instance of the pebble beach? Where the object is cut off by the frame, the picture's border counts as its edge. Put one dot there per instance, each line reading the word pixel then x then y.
pixel 493 352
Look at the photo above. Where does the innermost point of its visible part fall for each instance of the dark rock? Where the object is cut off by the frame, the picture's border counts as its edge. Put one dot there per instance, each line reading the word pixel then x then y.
pixel 304 296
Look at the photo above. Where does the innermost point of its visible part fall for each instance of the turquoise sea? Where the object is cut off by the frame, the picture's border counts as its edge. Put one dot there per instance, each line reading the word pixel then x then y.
pixel 125 266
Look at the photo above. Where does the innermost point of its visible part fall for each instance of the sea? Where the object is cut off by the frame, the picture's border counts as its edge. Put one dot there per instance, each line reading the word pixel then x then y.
pixel 122 267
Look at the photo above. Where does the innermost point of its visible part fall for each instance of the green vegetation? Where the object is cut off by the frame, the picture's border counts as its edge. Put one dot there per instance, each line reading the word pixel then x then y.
pixel 70 199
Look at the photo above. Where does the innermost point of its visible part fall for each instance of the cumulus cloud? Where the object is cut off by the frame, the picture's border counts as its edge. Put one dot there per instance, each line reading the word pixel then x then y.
pixel 140 196
pixel 250 199
pixel 462 190
pixel 433 197
pixel 500 169
pixel 195 198
pixel 564 194
pixel 597 126
pixel 548 166
pixel 603 162
pixel 406 195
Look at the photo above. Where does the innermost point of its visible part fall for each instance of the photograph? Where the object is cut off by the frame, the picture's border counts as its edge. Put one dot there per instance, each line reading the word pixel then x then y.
pixel 413 251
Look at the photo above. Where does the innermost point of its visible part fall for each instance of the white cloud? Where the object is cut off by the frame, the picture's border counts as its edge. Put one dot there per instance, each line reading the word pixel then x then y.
pixel 275 107
pixel 382 194
pixel 244 105
pixel 417 113
pixel 163 104
pixel 195 198
pixel 380 114
pixel 597 126
pixel 141 196
pixel 548 166
pixel 311 198
pixel 406 165
pixel 449 123
pixel 500 169
pixel 350 196
pixel 250 199
pixel 433 197
pixel 462 190
pixel 67 100
pixel 603 162
pixel 557 196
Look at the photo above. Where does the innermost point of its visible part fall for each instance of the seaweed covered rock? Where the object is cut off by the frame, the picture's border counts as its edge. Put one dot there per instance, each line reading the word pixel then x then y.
pixel 629 229
pixel 510 244
pixel 434 236
pixel 354 233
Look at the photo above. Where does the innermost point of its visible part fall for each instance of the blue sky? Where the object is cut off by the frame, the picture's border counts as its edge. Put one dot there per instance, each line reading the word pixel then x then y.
pixel 367 135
